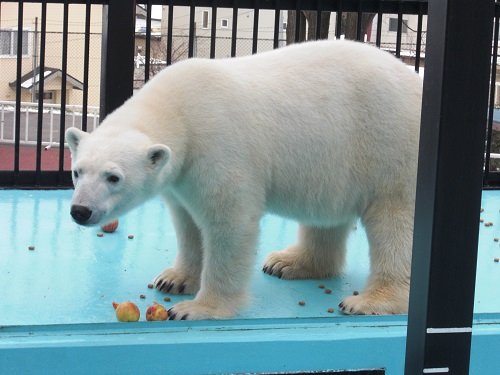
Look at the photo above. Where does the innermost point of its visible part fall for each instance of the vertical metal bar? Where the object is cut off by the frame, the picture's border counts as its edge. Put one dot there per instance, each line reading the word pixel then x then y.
pixel 192 10
pixel 51 127
pixel 213 32
pixel 234 31
pixel 2 120
pixel 41 88
pixel 26 122
pixel 64 69
pixel 338 22
pixel 117 71
pixel 400 30
pixel 148 41
pixel 170 23
pixel 17 130
pixel 451 146
pixel 492 102
pixel 35 61
pixel 379 27
pixel 277 26
pixel 358 22
pixel 298 10
pixel 255 32
pixel 86 63
pixel 418 46
pixel 319 7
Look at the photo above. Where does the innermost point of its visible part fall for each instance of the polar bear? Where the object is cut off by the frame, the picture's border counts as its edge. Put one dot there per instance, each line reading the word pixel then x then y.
pixel 323 133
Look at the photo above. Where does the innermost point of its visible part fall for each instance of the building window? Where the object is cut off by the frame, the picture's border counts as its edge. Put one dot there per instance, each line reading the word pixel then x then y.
pixel 47 95
pixel 204 21
pixel 393 25
pixel 284 26
pixel 8 43
pixel 224 23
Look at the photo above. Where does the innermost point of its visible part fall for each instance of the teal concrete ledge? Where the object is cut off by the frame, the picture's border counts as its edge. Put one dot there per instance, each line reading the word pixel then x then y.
pixel 223 347
pixel 56 315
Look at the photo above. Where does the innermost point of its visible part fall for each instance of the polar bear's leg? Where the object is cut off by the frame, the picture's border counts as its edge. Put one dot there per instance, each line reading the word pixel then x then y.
pixel 184 276
pixel 229 238
pixel 320 253
pixel 389 226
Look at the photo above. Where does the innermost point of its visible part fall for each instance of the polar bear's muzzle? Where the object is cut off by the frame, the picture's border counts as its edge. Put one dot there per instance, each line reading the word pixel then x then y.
pixel 80 214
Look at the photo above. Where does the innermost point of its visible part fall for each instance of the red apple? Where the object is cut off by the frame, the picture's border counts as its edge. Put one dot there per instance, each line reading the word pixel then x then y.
pixel 156 312
pixel 127 311
pixel 110 227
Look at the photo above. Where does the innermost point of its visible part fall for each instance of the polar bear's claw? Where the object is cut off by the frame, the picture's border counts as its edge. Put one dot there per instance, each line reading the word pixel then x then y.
pixel 176 282
pixel 376 302
pixel 197 310
pixel 292 264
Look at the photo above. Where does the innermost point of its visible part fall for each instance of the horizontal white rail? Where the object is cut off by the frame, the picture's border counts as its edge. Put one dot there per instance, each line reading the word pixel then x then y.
pixel 51 121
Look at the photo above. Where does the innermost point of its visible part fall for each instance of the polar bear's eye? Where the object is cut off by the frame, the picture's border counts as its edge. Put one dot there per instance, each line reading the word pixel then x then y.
pixel 113 179
pixel 75 174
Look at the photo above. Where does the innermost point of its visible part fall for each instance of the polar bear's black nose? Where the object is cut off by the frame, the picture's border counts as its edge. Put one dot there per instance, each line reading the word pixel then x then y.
pixel 80 213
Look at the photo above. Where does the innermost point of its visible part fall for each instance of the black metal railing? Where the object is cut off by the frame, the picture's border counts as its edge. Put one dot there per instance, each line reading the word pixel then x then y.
pixel 441 187
pixel 117 78
pixel 118 39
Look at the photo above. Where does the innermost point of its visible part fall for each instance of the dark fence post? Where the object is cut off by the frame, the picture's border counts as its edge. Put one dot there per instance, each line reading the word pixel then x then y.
pixel 117 67
pixel 449 184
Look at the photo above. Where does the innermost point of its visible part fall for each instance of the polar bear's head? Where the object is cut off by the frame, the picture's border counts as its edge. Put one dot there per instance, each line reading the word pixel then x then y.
pixel 112 173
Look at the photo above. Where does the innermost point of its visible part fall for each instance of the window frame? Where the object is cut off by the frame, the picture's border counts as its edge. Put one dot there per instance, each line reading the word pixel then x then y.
pixel 13 43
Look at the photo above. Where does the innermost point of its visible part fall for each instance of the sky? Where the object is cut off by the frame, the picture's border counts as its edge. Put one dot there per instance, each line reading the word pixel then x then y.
pixel 156 11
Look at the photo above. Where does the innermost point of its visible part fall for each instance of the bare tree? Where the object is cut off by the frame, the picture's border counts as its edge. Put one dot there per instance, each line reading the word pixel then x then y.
pixel 158 57
pixel 348 25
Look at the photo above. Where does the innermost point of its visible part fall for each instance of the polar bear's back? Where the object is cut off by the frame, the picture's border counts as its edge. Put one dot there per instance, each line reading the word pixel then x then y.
pixel 347 112
pixel 336 120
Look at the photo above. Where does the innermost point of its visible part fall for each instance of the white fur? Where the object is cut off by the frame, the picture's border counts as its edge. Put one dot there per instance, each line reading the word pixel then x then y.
pixel 322 133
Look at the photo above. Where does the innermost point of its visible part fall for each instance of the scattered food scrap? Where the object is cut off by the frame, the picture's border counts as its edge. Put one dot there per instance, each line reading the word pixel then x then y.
pixel 110 227
pixel 127 311
pixel 156 312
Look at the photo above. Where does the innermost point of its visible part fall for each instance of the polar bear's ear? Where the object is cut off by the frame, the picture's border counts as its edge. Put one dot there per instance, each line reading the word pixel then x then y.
pixel 158 155
pixel 73 137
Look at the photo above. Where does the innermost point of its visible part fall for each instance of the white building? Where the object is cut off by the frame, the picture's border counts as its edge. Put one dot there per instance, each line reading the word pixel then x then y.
pixel 245 21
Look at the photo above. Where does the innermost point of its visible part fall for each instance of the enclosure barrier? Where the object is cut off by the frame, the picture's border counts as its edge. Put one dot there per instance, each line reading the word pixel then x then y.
pixel 437 342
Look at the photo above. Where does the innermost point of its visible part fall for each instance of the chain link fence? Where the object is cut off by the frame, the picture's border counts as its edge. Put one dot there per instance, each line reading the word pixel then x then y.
pixel 30 63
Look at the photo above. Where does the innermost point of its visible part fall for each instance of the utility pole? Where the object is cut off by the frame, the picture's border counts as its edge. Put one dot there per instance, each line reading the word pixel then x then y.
pixel 35 62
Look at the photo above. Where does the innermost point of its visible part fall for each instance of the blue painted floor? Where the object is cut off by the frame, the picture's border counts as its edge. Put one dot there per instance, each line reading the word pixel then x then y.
pixel 72 275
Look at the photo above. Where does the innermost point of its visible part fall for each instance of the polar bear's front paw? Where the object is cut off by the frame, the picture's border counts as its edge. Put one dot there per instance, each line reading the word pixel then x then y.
pixel 376 302
pixel 293 264
pixel 196 310
pixel 174 281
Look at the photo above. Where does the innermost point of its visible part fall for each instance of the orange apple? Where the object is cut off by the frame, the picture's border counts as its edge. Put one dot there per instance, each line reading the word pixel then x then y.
pixel 110 227
pixel 127 311
pixel 156 312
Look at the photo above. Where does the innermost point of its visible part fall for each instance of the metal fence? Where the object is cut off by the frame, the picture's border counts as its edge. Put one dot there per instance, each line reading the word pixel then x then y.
pixel 305 20
pixel 250 27
pixel 51 118
pixel 117 84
